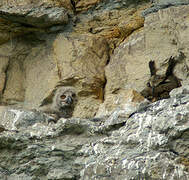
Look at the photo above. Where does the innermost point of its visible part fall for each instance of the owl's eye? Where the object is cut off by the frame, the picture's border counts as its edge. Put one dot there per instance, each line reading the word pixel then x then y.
pixel 73 95
pixel 63 96
pixel 148 84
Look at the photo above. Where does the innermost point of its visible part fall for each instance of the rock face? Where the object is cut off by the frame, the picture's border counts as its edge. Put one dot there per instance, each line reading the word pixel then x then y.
pixel 102 49
pixel 161 4
pixel 159 41
pixel 151 144
pixel 163 36
pixel 80 63
pixel 76 56
pixel 22 17
pixel 34 16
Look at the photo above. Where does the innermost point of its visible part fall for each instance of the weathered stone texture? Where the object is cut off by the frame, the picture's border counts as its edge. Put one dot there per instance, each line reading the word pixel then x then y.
pixel 36 16
pixel 3 68
pixel 126 100
pixel 115 24
pixel 67 61
pixel 102 49
pixel 81 62
pixel 128 65
pixel 162 4
pixel 167 31
pixel 164 36
pixel 83 5
pixel 40 71
pixel 150 144
pixel 22 17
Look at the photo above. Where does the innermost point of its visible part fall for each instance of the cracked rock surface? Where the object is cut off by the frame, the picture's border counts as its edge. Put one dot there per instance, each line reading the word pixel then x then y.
pixel 150 144
pixel 35 16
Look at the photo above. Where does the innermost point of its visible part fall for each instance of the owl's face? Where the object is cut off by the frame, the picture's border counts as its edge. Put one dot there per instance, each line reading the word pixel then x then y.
pixel 65 97
pixel 155 80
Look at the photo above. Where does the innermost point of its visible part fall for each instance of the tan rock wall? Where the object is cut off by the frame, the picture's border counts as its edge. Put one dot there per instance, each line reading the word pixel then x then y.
pixel 41 74
pixel 34 70
pixel 3 70
pixel 30 68
pixel 164 35
pixel 81 62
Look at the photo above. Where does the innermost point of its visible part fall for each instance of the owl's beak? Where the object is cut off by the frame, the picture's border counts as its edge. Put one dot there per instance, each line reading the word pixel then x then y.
pixel 69 100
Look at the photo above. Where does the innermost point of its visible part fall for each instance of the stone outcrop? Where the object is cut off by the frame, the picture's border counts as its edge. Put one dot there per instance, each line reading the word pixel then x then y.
pixel 95 55
pixel 162 4
pixel 34 16
pixel 150 144
pixel 79 63
pixel 126 100
pixel 23 17
pixel 115 24
pixel 77 58
pixel 164 35
pixel 102 49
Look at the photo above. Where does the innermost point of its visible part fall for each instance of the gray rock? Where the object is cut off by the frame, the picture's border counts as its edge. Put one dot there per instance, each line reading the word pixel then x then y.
pixel 182 91
pixel 151 144
pixel 19 177
pixel 162 4
pixel 147 146
pixel 31 16
pixel 15 119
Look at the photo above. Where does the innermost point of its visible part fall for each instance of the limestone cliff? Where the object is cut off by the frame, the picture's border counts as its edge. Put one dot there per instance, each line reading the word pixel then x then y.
pixel 102 48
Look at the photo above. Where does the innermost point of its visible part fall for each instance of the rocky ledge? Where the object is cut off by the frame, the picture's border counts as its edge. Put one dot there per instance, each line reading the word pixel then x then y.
pixel 151 143
pixel 162 4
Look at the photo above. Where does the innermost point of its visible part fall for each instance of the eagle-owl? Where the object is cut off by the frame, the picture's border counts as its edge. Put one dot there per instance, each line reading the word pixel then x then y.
pixel 62 105
pixel 159 86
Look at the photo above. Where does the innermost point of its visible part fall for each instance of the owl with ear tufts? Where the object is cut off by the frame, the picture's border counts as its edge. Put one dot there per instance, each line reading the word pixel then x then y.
pixel 159 86
pixel 62 105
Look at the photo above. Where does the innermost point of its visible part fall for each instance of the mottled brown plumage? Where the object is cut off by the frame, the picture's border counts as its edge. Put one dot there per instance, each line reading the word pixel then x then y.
pixel 159 86
pixel 73 6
